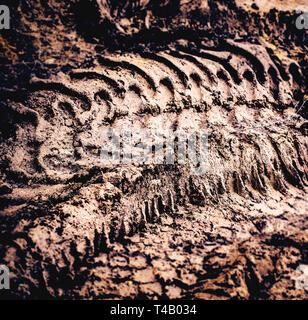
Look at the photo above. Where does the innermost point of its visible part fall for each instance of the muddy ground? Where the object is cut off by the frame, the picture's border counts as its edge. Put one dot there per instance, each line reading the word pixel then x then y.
pixel 73 227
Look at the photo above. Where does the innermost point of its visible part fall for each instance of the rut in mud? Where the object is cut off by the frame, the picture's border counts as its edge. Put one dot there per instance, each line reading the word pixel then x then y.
pixel 73 227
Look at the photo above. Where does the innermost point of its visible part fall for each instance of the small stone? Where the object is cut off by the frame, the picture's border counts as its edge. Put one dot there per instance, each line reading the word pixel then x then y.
pixel 68 122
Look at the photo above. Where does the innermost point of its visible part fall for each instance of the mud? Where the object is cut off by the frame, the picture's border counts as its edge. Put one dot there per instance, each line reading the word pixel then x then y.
pixel 73 227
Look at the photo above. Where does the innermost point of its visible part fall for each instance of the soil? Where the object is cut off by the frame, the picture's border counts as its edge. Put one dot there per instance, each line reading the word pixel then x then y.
pixel 73 227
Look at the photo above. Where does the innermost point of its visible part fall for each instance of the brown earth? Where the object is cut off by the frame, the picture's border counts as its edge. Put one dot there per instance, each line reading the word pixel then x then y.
pixel 73 227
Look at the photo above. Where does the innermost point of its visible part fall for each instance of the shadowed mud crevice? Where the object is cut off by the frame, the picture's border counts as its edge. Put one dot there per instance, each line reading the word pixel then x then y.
pixel 168 84
pixel 253 61
pixel 232 72
pixel 275 80
pixel 278 65
pixel 295 72
pixel 182 76
pixel 95 75
pixel 129 66
pixel 59 87
pixel 193 60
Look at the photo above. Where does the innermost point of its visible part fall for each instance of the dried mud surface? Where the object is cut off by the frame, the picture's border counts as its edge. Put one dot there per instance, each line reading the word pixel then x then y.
pixel 74 228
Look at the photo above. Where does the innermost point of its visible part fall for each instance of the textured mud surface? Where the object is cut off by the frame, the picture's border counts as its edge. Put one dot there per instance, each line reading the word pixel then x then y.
pixel 72 227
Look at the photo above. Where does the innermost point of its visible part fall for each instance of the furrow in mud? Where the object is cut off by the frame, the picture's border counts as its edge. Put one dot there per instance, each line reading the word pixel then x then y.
pixel 89 75
pixel 75 226
pixel 182 76
pixel 129 66
pixel 194 61
pixel 232 72
pixel 255 63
